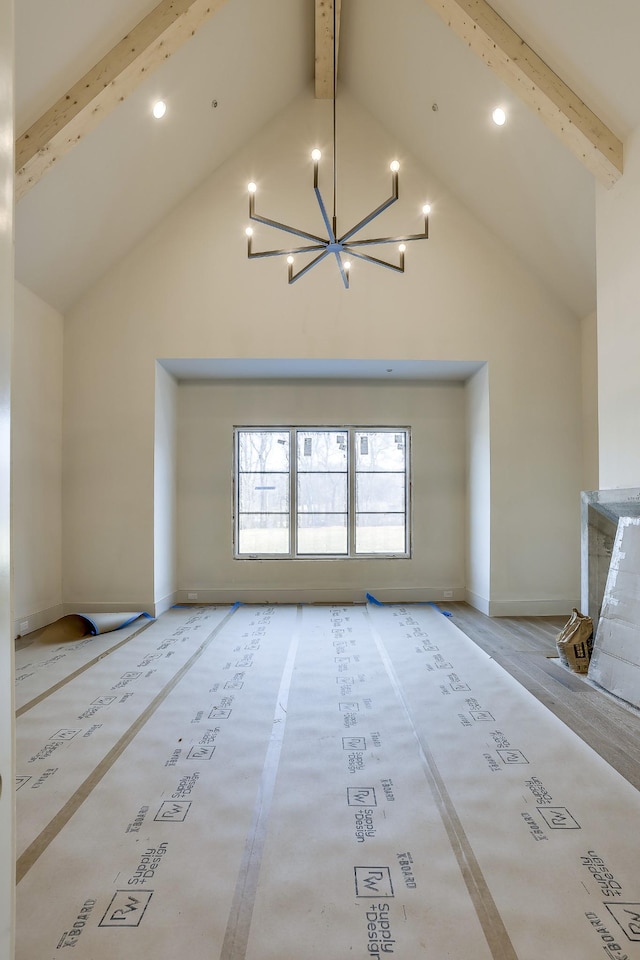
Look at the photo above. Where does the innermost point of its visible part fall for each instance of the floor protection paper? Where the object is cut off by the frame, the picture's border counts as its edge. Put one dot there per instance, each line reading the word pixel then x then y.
pixel 318 782
pixel 57 653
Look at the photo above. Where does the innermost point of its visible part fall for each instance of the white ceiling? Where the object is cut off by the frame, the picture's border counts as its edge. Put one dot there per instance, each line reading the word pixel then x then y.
pixel 306 369
pixel 253 57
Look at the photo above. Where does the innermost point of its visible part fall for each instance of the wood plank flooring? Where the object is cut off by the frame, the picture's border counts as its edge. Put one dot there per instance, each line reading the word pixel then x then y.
pixel 523 646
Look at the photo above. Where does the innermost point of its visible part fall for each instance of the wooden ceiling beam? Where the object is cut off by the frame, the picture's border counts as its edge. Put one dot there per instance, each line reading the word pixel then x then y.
pixel 517 65
pixel 107 84
pixel 324 46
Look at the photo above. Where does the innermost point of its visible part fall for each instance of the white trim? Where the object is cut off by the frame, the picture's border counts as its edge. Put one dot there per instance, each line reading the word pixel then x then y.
pixel 532 608
pixel 478 602
pixel 37 620
pixel 161 606
pixel 122 607
pixel 317 595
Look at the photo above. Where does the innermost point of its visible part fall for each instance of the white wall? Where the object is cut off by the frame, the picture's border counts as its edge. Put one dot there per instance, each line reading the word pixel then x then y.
pixel 207 414
pixel 36 456
pixel 7 723
pixel 188 291
pixel 618 257
pixel 165 492
pixel 478 490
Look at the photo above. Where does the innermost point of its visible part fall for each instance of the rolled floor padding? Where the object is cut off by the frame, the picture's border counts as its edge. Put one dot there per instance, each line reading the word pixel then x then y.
pixel 76 626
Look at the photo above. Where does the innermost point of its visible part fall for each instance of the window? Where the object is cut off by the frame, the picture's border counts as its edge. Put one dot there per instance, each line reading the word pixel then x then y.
pixel 303 492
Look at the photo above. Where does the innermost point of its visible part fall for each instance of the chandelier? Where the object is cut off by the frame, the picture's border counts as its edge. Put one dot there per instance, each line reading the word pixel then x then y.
pixel 343 246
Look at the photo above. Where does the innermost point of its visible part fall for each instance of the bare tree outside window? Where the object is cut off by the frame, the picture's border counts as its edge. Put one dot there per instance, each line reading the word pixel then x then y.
pixel 263 492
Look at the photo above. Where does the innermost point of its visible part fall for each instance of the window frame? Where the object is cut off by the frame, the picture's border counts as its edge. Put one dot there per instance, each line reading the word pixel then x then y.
pixel 351 430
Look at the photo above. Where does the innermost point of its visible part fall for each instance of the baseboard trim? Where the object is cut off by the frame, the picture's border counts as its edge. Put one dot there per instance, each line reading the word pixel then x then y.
pixel 531 608
pixel 37 620
pixel 316 595
pixel 161 606
pixel 477 602
pixel 121 607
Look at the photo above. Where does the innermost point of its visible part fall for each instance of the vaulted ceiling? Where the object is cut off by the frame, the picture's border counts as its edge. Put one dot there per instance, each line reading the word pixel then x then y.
pixel 95 172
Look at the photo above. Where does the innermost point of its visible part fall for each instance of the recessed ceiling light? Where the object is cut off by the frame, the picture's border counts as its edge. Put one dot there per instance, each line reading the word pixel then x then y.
pixel 499 116
pixel 159 109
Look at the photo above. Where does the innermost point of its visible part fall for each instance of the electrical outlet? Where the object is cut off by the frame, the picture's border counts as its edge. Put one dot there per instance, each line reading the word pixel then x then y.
pixel 24 626
pixel 192 596
pixel 447 594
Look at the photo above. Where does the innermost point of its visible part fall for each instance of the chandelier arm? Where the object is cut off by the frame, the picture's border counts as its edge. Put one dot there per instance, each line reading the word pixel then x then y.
pixel 375 213
pixel 323 210
pixel 284 227
pixel 343 273
pixel 381 263
pixel 413 236
pixel 253 255
pixel 296 276
pixel 367 220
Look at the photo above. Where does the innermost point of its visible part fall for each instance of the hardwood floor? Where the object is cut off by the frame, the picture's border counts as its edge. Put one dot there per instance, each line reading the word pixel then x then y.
pixel 523 646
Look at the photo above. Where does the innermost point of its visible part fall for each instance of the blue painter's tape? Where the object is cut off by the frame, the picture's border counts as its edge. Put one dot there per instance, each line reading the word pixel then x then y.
pixel 409 603
pixel 414 603
pixel 445 613
pixel 94 625
pixel 371 599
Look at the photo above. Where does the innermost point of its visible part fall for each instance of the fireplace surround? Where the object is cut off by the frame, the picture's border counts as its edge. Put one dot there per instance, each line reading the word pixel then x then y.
pixel 601 510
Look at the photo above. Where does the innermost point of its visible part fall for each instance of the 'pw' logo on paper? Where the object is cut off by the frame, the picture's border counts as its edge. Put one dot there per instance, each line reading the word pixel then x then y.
pixel 173 811
pixel 361 797
pixel 201 753
pixel 126 909
pixel 373 882
pixel 512 756
pixel 627 916
pixel 64 734
pixel 354 743
pixel 559 818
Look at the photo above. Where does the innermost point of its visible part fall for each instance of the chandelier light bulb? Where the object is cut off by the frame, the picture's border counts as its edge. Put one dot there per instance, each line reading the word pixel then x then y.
pixel 251 187
pixel 249 232
pixel 159 109
pixel 315 155
pixel 402 247
pixel 347 265
pixel 499 116
pixel 289 260
pixel 394 166
pixel 426 209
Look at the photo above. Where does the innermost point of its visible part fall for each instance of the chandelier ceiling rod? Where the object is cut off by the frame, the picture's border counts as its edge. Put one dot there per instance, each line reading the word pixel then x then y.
pixel 344 244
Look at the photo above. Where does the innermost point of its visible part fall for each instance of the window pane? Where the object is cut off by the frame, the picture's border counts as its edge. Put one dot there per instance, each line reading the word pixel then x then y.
pixel 258 533
pixel 380 451
pixel 380 491
pixel 262 450
pixel 322 449
pixel 263 492
pixel 322 493
pixel 380 533
pixel 322 533
pixel 296 496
